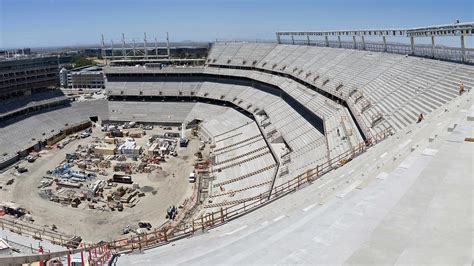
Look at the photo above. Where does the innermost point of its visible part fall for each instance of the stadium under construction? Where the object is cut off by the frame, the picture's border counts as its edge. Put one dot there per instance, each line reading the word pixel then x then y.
pixel 322 147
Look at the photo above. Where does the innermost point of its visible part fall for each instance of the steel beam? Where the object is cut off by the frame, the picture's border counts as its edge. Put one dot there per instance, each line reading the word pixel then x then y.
pixel 123 46
pixel 384 43
pixel 145 48
pixel 433 45
pixel 455 29
pixel 168 45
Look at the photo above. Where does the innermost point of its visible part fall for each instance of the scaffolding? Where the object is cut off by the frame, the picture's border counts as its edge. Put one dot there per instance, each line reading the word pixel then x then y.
pixel 461 53
pixel 134 49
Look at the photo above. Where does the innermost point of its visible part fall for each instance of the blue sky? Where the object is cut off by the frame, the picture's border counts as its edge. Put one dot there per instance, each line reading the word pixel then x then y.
pixel 40 23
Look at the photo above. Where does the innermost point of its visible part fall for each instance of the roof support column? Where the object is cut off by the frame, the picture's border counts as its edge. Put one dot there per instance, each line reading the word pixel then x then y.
pixel 278 38
pixel 111 49
pixel 102 51
pixel 339 41
pixel 412 41
pixel 463 49
pixel 384 43
pixel 327 41
pixel 168 45
pixel 292 39
pixel 123 46
pixel 354 42
pixel 145 46
pixel 363 42
pixel 133 48
pixel 432 46
pixel 307 37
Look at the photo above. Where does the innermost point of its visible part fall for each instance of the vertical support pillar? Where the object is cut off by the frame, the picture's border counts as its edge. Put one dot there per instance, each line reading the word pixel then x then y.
pixel 69 258
pixel 278 38
pixel 307 37
pixel 133 48
pixel 384 43
pixel 168 45
pixel 292 39
pixel 433 46
pixel 363 42
pixel 412 41
pixel 463 49
pixel 354 45
pixel 123 47
pixel 104 54
pixel 111 49
pixel 326 40
pixel 90 252
pixel 156 48
pixel 339 41
pixel 82 258
pixel 145 52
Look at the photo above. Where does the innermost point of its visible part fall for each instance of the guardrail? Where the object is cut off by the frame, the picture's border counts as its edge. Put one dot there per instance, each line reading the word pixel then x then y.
pixel 168 233
pixel 421 50
pixel 39 233
pixel 100 253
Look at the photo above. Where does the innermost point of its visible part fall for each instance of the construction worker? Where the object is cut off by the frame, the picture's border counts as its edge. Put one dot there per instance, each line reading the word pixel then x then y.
pixel 461 89
pixel 420 118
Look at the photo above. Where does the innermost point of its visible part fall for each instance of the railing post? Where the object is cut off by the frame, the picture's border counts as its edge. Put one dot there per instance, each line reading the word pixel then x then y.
pixel 202 222
pixel 69 258
pixel 82 258
pixel 222 215
pixel 90 252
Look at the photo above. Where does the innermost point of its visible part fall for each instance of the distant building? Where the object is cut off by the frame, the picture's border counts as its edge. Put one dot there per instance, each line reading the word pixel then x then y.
pixel 90 77
pixel 28 75
pixel 89 52
pixel 15 53
pixel 65 60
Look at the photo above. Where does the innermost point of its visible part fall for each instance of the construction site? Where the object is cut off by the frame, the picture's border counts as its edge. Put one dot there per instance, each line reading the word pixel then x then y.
pixel 108 180
pixel 320 147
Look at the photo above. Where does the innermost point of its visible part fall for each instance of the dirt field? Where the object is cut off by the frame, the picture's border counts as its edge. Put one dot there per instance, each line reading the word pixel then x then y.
pixel 163 189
